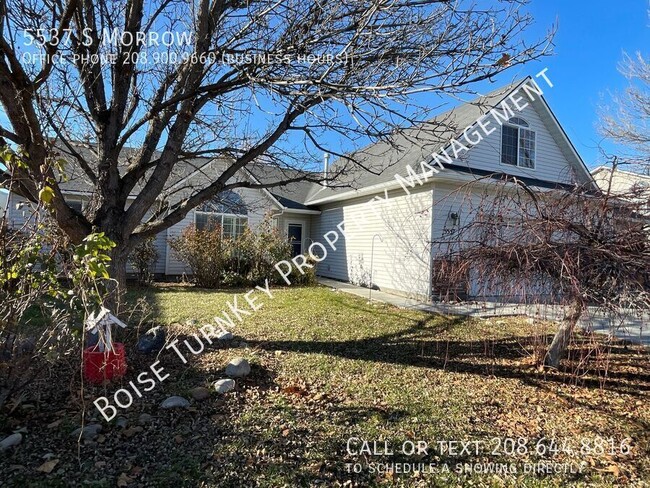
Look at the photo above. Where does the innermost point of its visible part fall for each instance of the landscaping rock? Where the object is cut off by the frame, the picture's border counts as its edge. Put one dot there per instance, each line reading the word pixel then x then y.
pixel 175 402
pixel 10 441
pixel 89 432
pixel 152 341
pixel 145 418
pixel 224 386
pixel 121 422
pixel 238 368
pixel 131 431
pixel 28 345
pixel 225 335
pixel 200 393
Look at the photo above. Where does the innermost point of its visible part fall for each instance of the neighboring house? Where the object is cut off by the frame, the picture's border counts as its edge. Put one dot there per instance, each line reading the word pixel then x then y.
pixel 400 225
pixel 624 184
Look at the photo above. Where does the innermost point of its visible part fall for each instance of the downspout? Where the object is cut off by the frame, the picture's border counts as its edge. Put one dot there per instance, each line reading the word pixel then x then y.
pixel 433 215
pixel 277 214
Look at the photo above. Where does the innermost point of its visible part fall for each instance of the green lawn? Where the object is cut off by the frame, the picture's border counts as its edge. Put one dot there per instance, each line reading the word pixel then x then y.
pixel 342 368
pixel 328 367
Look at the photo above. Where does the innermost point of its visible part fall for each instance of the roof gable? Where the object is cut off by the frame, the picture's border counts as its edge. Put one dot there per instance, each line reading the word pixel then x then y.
pixel 413 145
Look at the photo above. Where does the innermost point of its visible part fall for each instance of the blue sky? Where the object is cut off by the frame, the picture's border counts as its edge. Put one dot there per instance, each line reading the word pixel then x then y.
pixel 589 46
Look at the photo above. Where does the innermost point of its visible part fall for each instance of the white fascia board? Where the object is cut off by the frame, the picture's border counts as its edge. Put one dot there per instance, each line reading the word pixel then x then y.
pixel 369 190
pixel 305 211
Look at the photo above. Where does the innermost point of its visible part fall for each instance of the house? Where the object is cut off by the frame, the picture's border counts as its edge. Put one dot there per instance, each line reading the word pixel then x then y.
pixel 625 184
pixel 392 209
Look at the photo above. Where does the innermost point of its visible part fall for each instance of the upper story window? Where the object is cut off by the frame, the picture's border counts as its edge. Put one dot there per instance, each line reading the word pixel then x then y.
pixel 517 143
pixel 226 211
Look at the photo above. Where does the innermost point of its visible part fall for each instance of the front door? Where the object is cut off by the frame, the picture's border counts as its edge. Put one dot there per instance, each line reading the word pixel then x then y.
pixel 294 232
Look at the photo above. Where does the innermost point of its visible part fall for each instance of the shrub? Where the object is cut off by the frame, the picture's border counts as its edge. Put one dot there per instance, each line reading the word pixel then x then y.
pixel 142 258
pixel 37 306
pixel 270 246
pixel 248 259
pixel 206 253
pixel 308 278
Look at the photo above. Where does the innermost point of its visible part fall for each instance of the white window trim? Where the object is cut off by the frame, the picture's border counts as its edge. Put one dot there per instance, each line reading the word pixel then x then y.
pixel 77 200
pixel 302 233
pixel 220 214
pixel 518 127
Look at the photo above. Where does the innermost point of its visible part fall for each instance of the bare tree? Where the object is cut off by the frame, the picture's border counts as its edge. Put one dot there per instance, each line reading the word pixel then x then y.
pixel 242 89
pixel 627 123
pixel 579 248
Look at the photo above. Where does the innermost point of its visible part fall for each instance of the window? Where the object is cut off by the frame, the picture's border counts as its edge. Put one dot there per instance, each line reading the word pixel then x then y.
pixel 226 211
pixel 75 204
pixel 517 143
pixel 231 225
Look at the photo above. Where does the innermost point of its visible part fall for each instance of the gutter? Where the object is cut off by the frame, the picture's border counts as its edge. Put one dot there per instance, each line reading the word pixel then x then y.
pixel 305 211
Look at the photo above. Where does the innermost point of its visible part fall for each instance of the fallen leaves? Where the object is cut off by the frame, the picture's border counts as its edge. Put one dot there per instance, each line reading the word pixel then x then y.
pixel 613 469
pixel 131 431
pixel 124 480
pixel 48 466
pixel 292 419
pixel 295 390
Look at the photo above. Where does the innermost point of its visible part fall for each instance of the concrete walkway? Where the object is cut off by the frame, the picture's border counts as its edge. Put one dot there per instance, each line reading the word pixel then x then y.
pixel 630 326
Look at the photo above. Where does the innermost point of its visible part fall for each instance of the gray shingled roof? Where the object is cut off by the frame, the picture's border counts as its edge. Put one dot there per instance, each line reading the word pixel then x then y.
pixel 374 164
pixel 290 196
pixel 385 159
pixel 293 195
pixel 77 181
pixel 380 161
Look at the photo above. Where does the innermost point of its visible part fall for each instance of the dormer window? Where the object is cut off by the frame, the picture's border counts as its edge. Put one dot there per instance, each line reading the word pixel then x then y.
pixel 517 143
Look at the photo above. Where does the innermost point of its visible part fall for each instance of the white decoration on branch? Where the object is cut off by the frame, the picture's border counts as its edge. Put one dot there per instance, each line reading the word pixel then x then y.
pixel 101 324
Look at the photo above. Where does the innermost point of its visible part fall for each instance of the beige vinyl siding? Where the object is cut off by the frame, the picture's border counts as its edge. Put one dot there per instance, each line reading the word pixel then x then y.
pixel 160 244
pixel 467 202
pixel 449 199
pixel 4 199
pixel 401 261
pixel 173 265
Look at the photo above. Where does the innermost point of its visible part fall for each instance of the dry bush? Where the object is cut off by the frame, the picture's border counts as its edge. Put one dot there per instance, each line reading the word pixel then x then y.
pixel 575 247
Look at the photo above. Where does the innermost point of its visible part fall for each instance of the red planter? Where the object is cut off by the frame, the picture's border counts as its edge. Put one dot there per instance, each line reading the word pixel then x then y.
pixel 104 366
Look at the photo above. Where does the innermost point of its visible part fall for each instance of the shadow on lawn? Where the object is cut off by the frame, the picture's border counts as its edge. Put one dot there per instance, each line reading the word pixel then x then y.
pixel 421 346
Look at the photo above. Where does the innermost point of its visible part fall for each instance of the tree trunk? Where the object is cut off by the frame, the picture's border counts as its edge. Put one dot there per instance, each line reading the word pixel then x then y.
pixel 561 340
pixel 117 272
